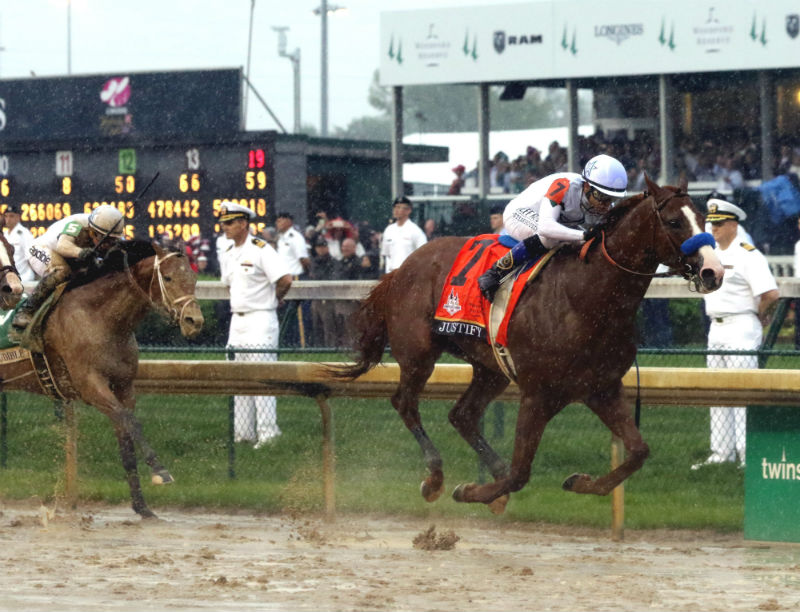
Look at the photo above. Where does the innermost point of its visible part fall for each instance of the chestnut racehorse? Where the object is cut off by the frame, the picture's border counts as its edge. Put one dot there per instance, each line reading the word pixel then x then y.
pixel 90 346
pixel 571 338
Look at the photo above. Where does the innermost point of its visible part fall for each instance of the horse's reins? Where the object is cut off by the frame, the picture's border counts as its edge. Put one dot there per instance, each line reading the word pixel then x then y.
pixel 168 304
pixel 612 261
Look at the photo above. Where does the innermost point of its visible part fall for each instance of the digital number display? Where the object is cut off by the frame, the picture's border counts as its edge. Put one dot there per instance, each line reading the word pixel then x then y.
pixel 168 209
pixel 194 178
pixel 124 184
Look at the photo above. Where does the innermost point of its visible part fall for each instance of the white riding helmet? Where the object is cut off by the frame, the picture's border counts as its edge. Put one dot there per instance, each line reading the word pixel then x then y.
pixel 607 175
pixel 107 220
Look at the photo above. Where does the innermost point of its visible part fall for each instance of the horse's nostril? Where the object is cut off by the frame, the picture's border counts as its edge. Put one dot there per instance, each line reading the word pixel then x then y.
pixel 708 278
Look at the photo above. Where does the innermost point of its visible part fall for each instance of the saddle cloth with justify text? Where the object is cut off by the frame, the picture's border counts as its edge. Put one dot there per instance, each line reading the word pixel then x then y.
pixel 462 310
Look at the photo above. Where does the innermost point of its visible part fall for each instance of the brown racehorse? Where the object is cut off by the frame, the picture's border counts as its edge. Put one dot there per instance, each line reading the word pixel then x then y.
pixel 571 337
pixel 91 349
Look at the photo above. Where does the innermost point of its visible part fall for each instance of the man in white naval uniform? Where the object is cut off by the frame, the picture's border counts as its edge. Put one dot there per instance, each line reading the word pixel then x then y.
pixel 402 237
pixel 21 239
pixel 258 279
pixel 737 311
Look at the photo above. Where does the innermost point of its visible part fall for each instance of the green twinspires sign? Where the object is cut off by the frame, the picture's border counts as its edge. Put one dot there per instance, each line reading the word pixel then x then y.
pixel 772 475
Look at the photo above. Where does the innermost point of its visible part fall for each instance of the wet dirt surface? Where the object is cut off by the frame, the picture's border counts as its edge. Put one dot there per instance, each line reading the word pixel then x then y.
pixel 106 558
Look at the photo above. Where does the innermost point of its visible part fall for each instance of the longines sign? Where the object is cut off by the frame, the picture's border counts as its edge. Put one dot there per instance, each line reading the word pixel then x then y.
pixel 555 39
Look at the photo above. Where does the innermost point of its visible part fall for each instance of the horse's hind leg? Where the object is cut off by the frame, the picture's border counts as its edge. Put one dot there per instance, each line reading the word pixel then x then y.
pixel 615 413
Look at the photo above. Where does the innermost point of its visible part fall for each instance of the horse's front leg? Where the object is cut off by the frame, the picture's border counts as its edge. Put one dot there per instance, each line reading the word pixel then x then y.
pixel 127 453
pixel 612 409
pixel 465 417
pixel 534 414
pixel 160 474
pixel 96 390
pixel 406 401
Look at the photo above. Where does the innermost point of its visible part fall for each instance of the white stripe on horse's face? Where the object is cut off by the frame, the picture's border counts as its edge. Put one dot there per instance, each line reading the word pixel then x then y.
pixel 5 258
pixel 692 220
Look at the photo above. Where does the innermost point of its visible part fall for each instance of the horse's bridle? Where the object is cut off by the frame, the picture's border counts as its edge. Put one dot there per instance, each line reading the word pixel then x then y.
pixel 172 307
pixel 687 273
pixel 8 268
pixel 5 270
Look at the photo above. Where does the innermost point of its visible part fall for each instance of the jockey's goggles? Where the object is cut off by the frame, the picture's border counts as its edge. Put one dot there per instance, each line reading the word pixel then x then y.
pixel 602 198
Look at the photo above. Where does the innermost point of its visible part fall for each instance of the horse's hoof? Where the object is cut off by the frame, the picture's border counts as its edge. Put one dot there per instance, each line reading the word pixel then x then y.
pixel 428 493
pixel 498 506
pixel 459 493
pixel 161 478
pixel 573 482
pixel 145 513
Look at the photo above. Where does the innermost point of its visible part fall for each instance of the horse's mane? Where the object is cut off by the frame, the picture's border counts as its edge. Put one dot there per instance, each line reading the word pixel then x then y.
pixel 621 209
pixel 623 206
pixel 126 252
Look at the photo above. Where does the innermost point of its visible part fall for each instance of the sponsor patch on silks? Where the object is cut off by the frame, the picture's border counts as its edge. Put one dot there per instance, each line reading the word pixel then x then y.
pixel 462 310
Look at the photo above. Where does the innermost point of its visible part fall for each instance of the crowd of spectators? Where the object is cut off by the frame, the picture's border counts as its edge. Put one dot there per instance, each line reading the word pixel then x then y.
pixel 728 161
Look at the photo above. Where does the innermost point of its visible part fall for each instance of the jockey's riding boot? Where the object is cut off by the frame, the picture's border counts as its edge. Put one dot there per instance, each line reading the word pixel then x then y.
pixel 46 286
pixel 524 250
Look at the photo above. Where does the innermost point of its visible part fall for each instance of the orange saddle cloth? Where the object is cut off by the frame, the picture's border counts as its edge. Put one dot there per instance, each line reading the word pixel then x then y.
pixel 462 310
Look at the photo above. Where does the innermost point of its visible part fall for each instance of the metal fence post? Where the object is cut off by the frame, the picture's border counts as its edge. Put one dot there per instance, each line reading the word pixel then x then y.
pixel 231 439
pixel 71 454
pixel 3 430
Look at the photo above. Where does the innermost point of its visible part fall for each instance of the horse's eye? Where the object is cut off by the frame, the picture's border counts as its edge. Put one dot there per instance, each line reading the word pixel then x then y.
pixel 674 223
pixel 167 278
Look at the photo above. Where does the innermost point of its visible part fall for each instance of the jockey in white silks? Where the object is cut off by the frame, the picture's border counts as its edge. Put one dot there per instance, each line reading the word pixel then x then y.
pixel 557 209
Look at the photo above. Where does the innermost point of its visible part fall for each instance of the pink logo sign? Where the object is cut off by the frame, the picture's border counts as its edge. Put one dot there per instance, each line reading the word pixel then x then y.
pixel 116 92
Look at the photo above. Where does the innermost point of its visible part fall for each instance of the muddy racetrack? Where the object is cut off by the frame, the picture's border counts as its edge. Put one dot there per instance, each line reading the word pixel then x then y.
pixel 106 558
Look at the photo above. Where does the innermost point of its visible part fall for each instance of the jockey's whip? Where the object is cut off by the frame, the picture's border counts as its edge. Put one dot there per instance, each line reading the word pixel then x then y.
pixel 140 195
pixel 136 199
pixel 144 190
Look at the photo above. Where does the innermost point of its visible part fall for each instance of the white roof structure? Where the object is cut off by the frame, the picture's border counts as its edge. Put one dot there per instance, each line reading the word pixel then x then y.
pixel 464 150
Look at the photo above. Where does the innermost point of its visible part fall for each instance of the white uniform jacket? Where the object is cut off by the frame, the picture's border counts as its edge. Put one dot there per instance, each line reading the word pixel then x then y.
pixel 251 270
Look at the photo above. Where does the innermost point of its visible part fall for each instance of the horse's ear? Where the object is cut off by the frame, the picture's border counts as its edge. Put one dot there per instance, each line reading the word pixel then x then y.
pixel 651 186
pixel 683 183
pixel 157 248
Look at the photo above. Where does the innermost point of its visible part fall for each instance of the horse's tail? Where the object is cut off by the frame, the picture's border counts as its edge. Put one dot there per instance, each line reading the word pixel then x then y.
pixel 372 335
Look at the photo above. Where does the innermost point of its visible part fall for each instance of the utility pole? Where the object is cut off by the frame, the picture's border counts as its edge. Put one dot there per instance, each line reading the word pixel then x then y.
pixel 247 69
pixel 294 57
pixel 323 120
